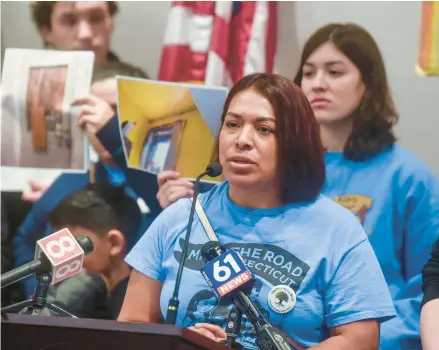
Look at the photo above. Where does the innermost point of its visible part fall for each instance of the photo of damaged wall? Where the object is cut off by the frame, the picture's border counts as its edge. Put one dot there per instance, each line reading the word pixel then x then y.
pixel 46 132
pixel 49 130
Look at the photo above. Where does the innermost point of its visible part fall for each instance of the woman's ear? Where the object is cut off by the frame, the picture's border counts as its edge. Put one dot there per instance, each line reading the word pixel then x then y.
pixel 117 242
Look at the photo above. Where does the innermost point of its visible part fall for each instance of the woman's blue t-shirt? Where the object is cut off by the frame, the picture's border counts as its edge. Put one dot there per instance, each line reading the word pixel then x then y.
pixel 319 249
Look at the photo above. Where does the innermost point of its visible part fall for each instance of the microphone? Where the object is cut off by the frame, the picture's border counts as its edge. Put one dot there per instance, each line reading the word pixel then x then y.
pixel 225 272
pixel 84 295
pixel 225 282
pixel 233 328
pixel 212 170
pixel 59 254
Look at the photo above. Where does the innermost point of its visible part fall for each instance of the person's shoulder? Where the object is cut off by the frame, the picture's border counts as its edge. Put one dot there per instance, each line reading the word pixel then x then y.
pixel 115 66
pixel 213 190
pixel 174 218
pixel 177 210
pixel 132 70
pixel 182 207
pixel 401 159
pixel 124 68
pixel 328 209
pixel 410 169
pixel 327 217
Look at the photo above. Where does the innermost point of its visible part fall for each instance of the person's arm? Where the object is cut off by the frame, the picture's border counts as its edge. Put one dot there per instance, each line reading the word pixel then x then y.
pixel 98 119
pixel 144 184
pixel 142 300
pixel 361 335
pixel 33 228
pixel 142 305
pixel 430 325
pixel 421 230
pixel 430 302
pixel 109 136
pixel 430 276
pixel 142 297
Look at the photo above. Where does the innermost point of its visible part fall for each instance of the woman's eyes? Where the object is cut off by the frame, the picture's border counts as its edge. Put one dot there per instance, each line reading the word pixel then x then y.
pixel 232 124
pixel 312 73
pixel 335 72
pixel 262 129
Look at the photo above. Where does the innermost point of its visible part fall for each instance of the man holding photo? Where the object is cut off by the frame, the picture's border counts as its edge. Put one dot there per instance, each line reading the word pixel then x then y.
pixel 82 25
pixel 85 26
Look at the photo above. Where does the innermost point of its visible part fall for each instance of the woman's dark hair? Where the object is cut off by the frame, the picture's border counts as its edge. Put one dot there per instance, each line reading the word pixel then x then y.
pixel 300 158
pixel 376 114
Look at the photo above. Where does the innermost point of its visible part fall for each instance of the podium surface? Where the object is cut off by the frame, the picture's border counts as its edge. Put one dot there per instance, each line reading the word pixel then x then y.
pixel 63 333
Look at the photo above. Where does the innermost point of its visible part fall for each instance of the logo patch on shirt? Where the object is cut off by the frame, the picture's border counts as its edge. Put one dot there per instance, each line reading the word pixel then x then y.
pixel 357 204
pixel 274 264
pixel 281 299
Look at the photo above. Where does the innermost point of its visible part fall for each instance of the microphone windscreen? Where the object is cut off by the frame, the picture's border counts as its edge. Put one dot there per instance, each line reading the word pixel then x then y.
pixel 84 295
pixel 86 244
pixel 211 250
pixel 214 169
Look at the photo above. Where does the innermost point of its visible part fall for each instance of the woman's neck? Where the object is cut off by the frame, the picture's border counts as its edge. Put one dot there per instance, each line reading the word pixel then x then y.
pixel 255 198
pixel 335 136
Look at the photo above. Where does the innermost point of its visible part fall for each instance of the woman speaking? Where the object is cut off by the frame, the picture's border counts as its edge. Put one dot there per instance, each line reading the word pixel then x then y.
pixel 270 209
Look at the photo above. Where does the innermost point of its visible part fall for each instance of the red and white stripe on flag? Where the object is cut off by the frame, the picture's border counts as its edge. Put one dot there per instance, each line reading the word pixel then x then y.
pixel 218 42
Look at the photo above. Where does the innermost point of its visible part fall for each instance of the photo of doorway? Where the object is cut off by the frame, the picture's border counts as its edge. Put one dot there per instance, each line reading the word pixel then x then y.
pixel 47 142
pixel 161 147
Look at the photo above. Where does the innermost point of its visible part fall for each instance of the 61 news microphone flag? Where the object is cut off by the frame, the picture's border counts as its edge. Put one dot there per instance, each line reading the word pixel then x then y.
pixel 230 279
pixel 225 272
pixel 218 42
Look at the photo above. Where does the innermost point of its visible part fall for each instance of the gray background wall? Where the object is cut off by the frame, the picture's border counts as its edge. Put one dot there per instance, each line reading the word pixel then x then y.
pixel 140 29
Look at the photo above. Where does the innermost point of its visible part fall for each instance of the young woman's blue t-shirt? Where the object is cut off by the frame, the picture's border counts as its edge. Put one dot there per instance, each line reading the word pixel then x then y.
pixel 319 249
pixel 396 199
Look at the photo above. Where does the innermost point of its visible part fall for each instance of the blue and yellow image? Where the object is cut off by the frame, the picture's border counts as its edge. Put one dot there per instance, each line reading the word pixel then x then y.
pixel 169 126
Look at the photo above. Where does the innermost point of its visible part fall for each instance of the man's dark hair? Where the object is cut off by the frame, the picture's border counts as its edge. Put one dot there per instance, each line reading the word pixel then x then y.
pixel 98 207
pixel 41 12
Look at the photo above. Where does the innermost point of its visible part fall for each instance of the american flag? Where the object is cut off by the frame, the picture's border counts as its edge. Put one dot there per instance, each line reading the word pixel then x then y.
pixel 218 42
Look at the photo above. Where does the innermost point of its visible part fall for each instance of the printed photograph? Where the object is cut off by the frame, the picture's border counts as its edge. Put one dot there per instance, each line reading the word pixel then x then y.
pixel 49 139
pixel 169 126
pixel 39 128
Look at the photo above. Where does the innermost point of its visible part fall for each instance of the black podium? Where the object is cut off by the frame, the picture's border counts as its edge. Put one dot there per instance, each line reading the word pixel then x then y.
pixel 63 333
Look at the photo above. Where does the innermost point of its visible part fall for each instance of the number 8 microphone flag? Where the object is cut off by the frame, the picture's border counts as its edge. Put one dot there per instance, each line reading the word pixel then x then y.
pixel 218 42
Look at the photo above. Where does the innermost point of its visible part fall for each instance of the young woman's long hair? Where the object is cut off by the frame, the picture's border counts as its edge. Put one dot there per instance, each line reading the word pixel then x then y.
pixel 376 114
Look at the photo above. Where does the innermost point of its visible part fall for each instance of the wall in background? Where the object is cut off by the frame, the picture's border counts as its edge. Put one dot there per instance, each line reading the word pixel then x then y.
pixel 140 28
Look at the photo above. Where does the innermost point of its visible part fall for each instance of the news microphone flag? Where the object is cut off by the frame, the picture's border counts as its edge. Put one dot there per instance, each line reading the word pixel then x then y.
pixel 227 274
pixel 64 253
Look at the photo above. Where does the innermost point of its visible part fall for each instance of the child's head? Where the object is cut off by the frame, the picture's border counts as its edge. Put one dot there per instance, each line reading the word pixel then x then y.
pixel 105 214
